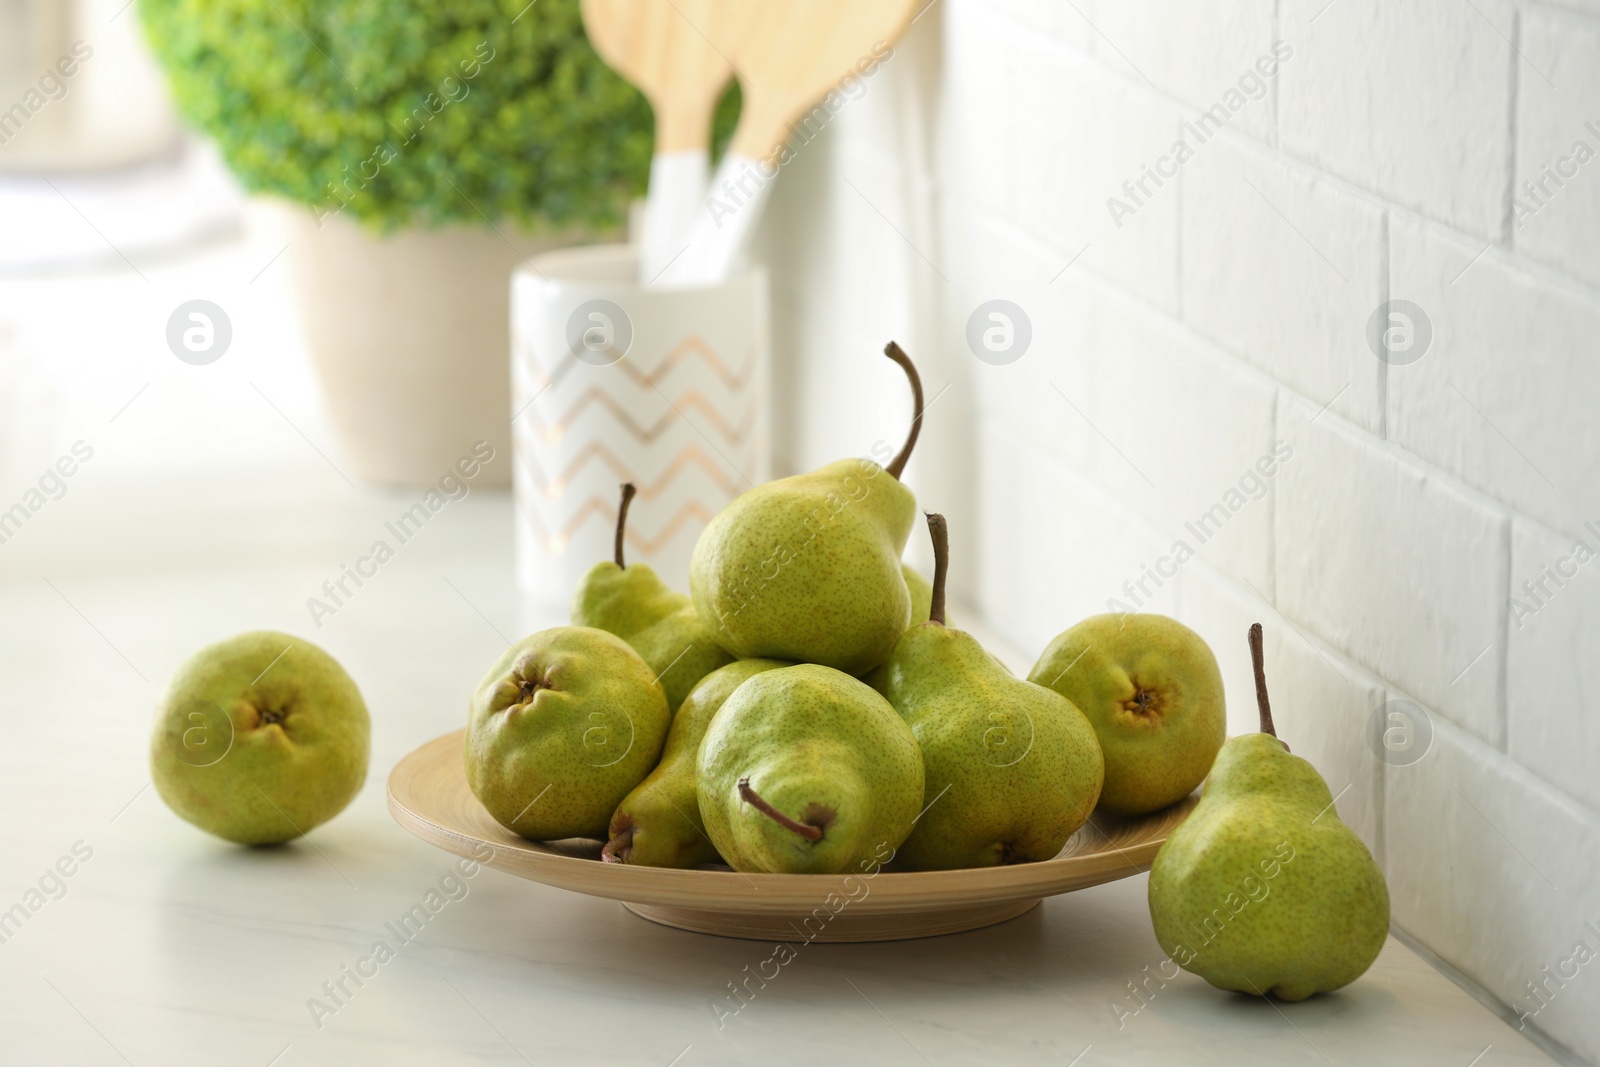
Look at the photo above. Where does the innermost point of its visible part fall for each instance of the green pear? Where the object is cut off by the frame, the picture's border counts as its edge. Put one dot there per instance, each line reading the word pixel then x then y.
pixel 807 568
pixel 565 723
pixel 921 591
pixel 806 770
pixel 1152 690
pixel 259 738
pixel 1012 768
pixel 659 823
pixel 632 602
pixel 1263 889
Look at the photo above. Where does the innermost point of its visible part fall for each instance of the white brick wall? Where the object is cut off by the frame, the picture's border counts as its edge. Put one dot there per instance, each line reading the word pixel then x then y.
pixel 1388 561
pixel 1507 399
pixel 1195 52
pixel 1408 98
pixel 1070 160
pixel 1552 660
pixel 1290 293
pixel 1164 452
pixel 1557 221
pixel 1496 871
pixel 1231 310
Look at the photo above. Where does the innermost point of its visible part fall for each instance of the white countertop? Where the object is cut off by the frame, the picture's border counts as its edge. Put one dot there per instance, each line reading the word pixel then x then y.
pixel 166 946
pixel 171 947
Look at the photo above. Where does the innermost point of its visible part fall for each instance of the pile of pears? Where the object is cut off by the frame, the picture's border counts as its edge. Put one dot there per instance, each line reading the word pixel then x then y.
pixel 807 709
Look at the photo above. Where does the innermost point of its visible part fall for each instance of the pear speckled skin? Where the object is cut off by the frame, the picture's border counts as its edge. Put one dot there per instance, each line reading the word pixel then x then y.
pixel 1263 889
pixel 824 750
pixel 661 625
pixel 259 738
pixel 659 824
pixel 808 568
pixel 1151 688
pixel 563 726
pixel 921 591
pixel 1012 769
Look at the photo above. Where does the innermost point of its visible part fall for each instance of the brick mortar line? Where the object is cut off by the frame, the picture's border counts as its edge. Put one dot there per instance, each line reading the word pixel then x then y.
pixel 1508 231
pixel 1553 278
pixel 1085 482
pixel 1086 63
pixel 1101 286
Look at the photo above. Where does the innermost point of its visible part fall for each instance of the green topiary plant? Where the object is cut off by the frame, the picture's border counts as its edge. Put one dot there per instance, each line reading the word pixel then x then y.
pixel 411 112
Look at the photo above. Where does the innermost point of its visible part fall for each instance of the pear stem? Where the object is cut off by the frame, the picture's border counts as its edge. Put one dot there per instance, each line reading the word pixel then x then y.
pixel 622 521
pixel 939 530
pixel 751 797
pixel 898 463
pixel 1256 660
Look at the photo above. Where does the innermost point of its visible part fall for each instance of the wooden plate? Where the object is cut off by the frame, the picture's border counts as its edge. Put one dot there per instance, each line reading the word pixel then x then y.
pixel 428 795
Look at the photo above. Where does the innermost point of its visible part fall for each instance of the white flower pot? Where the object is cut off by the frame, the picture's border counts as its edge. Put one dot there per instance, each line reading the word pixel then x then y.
pixel 408 333
pixel 614 383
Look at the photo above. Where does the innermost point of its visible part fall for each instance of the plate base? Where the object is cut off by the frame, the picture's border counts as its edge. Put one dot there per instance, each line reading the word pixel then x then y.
pixel 843 927
pixel 429 796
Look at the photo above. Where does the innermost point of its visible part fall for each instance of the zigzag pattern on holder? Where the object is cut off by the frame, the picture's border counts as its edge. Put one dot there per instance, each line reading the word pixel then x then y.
pixel 555 430
pixel 557 486
pixel 552 488
pixel 690 345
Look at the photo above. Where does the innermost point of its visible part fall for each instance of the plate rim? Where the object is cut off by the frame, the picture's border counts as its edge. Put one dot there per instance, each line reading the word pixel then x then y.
pixel 675 887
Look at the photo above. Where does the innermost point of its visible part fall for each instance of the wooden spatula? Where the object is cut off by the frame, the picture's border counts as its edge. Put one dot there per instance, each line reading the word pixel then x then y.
pixel 664 47
pixel 789 54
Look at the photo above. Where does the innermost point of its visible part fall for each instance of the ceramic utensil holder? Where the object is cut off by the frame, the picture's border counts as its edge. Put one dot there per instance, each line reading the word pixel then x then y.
pixel 612 383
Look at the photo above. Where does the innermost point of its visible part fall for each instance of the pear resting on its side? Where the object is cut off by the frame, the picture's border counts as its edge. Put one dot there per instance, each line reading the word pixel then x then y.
pixel 659 823
pixel 259 738
pixel 1151 688
pixel 807 770
pixel 563 726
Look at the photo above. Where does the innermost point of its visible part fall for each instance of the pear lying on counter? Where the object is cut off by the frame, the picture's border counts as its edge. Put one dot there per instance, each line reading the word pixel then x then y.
pixel 659 823
pixel 631 601
pixel 806 770
pixel 808 568
pixel 1262 889
pixel 562 727
pixel 259 738
pixel 1012 768
pixel 1152 690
